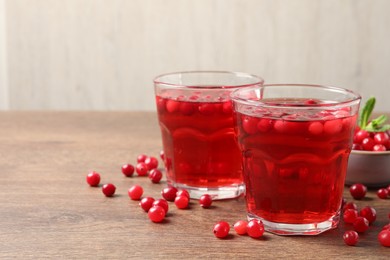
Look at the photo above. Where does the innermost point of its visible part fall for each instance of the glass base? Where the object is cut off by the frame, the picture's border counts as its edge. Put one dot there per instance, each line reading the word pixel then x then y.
pixel 220 193
pixel 298 229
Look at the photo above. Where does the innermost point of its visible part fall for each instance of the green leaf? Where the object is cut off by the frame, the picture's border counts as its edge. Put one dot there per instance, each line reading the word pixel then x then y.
pixel 366 112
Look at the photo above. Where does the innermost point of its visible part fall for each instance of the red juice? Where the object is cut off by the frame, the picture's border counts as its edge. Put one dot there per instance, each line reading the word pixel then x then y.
pixel 294 165
pixel 199 141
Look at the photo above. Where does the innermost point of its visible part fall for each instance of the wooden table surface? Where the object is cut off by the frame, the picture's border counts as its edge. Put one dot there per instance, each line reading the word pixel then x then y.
pixel 48 210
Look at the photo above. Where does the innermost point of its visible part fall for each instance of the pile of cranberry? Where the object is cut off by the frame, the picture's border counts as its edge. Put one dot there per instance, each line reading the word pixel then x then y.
pixel 360 220
pixel 371 141
pixel 371 135
pixel 158 208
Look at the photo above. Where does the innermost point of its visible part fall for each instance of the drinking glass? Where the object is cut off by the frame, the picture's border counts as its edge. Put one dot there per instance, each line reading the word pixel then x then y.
pixel 195 115
pixel 295 142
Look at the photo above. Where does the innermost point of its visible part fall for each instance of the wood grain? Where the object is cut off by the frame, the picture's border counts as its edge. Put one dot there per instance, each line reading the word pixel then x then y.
pixel 103 55
pixel 48 210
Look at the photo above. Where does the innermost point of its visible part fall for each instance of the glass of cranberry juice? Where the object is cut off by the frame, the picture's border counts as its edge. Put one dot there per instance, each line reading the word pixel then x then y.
pixel 295 142
pixel 195 115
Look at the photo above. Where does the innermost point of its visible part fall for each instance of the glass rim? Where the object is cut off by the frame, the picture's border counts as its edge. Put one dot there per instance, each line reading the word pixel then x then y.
pixel 355 97
pixel 257 80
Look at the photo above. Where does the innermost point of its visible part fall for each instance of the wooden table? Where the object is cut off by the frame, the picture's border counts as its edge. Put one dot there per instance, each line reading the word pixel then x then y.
pixel 48 210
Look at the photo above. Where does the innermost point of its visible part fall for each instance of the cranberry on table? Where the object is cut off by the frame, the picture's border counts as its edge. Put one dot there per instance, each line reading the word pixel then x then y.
pixel 183 193
pixel 93 179
pixel 151 162
pixel 350 215
pixel 358 191
pixel 155 175
pixel 240 227
pixel 135 192
pixel 141 158
pixel 156 214
pixel 255 228
pixel 384 237
pixel 221 229
pixel 146 203
pixel 162 203
pixel 360 224
pixel 169 193
pixel 205 201
pixel 182 202
pixel 108 189
pixel 351 237
pixel 141 169
pixel 162 155
pixel 350 205
pixel 369 213
pixel 128 170
pixel 383 193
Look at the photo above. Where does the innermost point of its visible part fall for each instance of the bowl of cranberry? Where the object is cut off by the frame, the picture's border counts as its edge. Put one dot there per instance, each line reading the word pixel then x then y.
pixel 369 161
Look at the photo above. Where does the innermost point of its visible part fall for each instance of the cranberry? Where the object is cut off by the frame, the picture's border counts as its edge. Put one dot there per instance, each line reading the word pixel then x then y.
pixel 205 201
pixel 169 193
pixel 162 203
pixel 93 179
pixel 249 124
pixel 350 205
pixel 383 193
pixel 146 203
pixel 227 107
pixel 360 224
pixel 221 229
pixel 128 170
pixel 386 227
pixel 316 128
pixel 207 109
pixel 182 202
pixel 108 189
pixel 182 193
pixel 172 106
pixel 369 213
pixel 151 163
pixel 358 191
pixel 384 238
pixel 141 169
pixel 381 138
pixel 368 144
pixel 162 155
pixel 350 215
pixel 255 228
pixel 359 136
pixel 264 125
pixel 388 188
pixel 187 108
pixel 357 147
pixel 351 237
pixel 332 127
pixel 240 227
pixel 141 158
pixel 379 148
pixel 156 214
pixel 155 175
pixel 135 192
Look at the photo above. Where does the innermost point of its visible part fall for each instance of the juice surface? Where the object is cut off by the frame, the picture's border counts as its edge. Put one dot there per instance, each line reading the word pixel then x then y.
pixel 294 164
pixel 199 141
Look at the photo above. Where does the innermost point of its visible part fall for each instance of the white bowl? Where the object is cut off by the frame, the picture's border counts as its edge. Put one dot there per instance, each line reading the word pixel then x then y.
pixel 369 168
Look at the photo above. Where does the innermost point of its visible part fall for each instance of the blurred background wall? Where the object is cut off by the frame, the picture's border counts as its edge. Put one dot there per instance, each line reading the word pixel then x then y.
pixel 104 54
